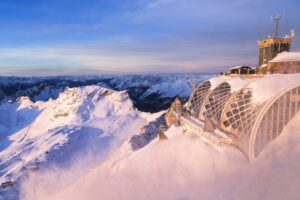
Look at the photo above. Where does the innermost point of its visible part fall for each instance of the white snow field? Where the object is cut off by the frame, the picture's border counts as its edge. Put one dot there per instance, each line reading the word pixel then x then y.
pixel 83 124
pixel 182 167
pixel 79 147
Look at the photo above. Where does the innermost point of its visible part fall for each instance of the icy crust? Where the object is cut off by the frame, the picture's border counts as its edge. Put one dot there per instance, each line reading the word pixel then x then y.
pixel 215 81
pixel 90 117
pixel 263 88
pixel 235 83
pixel 238 83
pixel 271 85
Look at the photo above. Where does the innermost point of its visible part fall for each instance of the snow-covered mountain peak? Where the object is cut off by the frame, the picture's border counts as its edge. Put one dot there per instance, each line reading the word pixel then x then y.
pixel 81 118
pixel 76 103
pixel 25 102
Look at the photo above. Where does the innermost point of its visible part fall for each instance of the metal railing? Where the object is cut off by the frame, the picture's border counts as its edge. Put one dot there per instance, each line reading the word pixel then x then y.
pixel 217 139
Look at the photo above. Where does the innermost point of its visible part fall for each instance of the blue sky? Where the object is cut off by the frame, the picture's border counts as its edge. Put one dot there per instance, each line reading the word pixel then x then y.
pixel 55 37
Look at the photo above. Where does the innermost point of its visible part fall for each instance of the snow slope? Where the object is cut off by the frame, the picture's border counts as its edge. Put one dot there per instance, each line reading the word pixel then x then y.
pixel 183 167
pixel 87 144
pixel 81 121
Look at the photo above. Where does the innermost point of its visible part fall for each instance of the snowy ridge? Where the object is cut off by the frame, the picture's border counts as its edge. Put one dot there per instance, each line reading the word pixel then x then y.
pixel 145 90
pixel 37 134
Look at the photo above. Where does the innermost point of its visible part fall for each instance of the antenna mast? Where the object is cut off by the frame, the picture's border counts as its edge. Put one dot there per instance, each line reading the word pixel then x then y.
pixel 276 25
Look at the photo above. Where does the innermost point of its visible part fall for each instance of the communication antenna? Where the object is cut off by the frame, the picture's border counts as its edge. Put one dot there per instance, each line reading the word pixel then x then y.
pixel 276 25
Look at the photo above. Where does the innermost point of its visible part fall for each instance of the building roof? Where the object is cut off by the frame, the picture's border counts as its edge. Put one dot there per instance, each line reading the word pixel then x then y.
pixel 286 57
pixel 241 67
pixel 236 67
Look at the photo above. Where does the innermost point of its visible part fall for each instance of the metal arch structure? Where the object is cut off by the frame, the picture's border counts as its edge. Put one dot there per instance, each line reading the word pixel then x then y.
pixel 237 112
pixel 214 102
pixel 273 117
pixel 196 99
pixel 253 126
pixel 238 117
pixel 243 115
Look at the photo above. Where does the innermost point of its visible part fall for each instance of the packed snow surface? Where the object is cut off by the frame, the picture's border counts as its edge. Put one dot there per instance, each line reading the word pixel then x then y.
pixel 263 88
pixel 269 86
pixel 184 167
pixel 287 56
pixel 236 83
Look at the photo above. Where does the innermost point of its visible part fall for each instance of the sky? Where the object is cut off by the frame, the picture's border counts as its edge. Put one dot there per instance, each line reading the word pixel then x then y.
pixel 66 37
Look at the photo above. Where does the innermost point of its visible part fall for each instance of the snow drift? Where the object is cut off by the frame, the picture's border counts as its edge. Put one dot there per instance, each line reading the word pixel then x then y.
pixel 183 167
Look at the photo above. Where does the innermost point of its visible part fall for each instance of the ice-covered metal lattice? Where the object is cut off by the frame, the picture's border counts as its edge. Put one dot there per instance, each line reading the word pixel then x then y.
pixel 239 113
pixel 246 113
pixel 214 102
pixel 276 114
pixel 198 97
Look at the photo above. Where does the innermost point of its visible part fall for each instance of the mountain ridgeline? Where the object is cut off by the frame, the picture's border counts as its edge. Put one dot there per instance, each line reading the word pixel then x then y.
pixel 149 93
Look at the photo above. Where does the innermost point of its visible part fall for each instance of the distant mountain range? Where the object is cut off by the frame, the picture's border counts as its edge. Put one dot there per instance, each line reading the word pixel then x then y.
pixel 149 93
